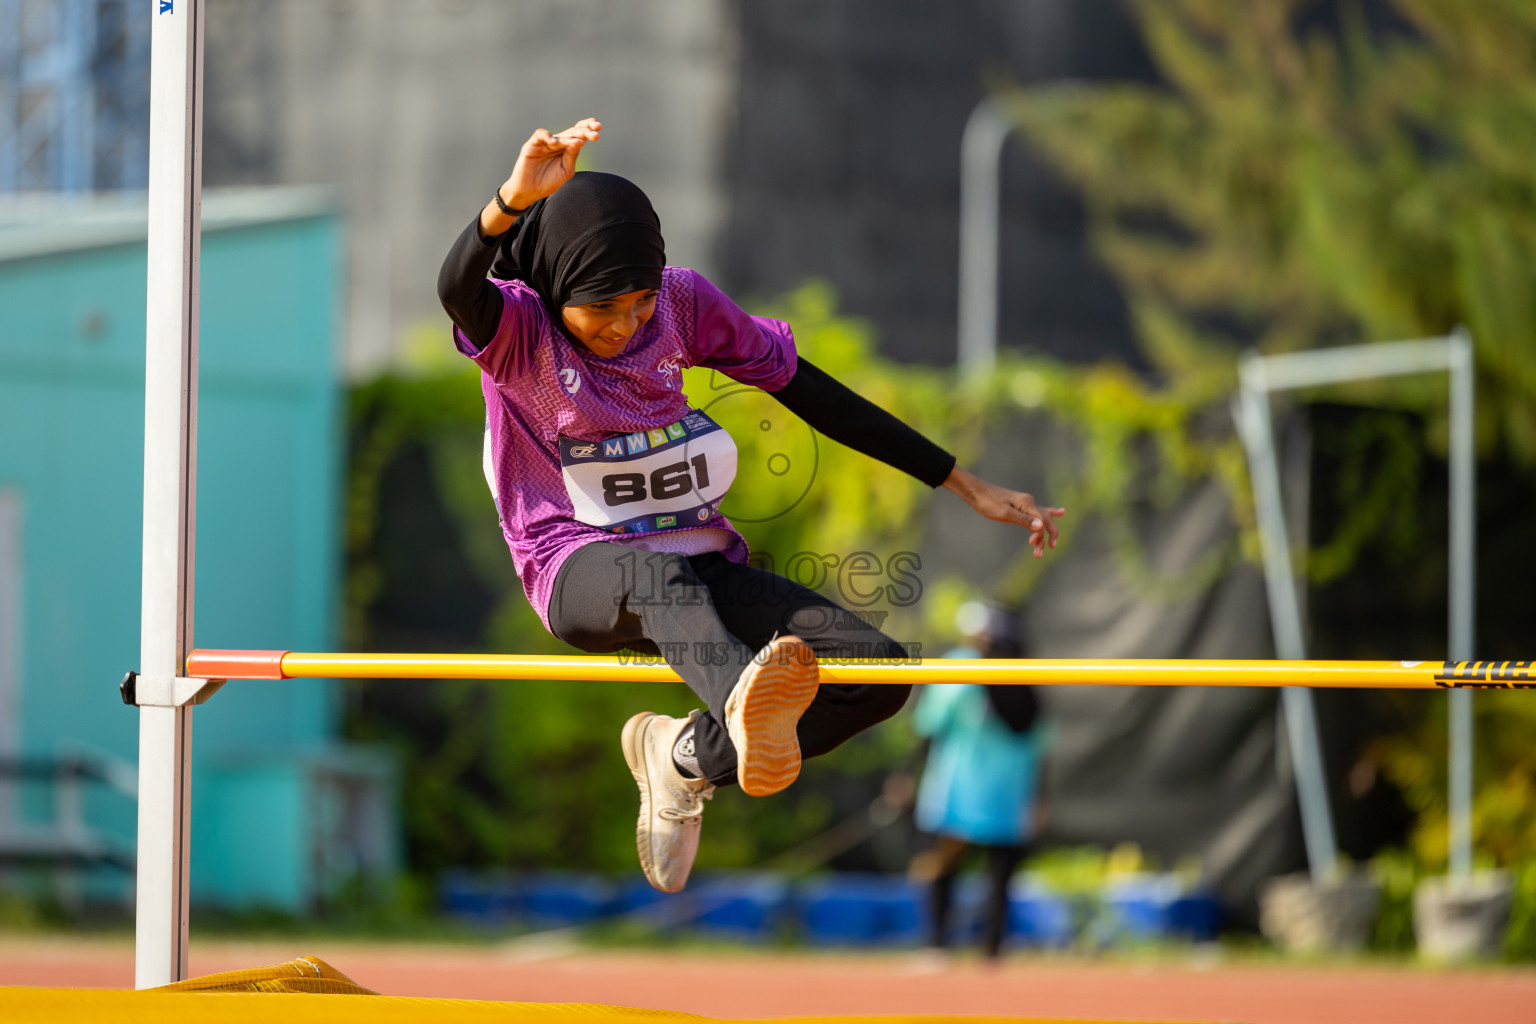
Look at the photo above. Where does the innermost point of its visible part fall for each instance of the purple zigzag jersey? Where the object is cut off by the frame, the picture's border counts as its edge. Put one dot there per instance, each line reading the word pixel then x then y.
pixel 540 385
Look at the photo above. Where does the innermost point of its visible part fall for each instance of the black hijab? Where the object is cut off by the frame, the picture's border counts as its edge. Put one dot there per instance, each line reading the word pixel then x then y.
pixel 595 238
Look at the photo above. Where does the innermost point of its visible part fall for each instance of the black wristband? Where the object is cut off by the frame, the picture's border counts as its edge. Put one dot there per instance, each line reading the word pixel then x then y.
pixel 496 195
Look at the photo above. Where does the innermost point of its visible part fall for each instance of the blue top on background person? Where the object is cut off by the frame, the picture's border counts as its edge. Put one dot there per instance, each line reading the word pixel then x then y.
pixel 981 778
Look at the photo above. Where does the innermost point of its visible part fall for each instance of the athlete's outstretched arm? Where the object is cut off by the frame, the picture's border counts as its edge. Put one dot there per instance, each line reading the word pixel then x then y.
pixel 851 419
pixel 1007 506
pixel 543 164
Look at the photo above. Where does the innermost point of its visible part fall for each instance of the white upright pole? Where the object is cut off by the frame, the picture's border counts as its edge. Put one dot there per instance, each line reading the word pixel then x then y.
pixel 170 483
pixel 1463 601
pixel 981 154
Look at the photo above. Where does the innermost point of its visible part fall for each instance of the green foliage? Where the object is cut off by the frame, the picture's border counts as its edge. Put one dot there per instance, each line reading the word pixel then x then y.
pixel 1114 426
pixel 1398 872
pixel 1520 939
pixel 441 409
pixel 1289 190
pixel 1504 805
pixel 25 912
pixel 1375 491
pixel 1085 871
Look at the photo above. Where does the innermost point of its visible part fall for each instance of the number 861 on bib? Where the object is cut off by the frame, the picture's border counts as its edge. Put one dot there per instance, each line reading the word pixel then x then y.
pixel 654 479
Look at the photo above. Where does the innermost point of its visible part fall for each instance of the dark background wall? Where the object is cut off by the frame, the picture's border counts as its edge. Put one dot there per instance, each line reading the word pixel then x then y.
pixel 845 164
pixel 780 139
pixel 415 111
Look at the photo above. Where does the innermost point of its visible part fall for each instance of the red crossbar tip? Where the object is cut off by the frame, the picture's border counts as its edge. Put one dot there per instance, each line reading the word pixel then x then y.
pixel 236 665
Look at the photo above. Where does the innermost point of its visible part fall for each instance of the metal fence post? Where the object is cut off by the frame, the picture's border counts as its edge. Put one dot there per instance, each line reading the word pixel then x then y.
pixel 1257 432
pixel 1463 599
pixel 981 153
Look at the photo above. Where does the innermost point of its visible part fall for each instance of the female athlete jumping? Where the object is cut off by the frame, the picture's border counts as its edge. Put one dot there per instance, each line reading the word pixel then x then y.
pixel 609 485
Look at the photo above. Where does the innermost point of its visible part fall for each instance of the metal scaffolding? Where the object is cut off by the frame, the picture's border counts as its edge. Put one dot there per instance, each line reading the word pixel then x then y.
pixel 74 95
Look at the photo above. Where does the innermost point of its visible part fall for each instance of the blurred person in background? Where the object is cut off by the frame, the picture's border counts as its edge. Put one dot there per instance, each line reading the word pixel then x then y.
pixel 980 786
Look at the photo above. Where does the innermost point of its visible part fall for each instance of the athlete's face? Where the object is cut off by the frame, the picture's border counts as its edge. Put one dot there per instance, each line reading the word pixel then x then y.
pixel 605 327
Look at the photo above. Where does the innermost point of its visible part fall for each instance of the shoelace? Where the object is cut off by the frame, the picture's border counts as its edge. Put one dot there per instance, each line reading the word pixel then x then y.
pixel 761 657
pixel 692 805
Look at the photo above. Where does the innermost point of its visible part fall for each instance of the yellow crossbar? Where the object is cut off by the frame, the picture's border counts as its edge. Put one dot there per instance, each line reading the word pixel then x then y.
pixel 1381 675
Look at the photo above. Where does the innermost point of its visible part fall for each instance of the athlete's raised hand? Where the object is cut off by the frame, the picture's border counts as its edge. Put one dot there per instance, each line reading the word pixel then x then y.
pixel 1007 506
pixel 545 162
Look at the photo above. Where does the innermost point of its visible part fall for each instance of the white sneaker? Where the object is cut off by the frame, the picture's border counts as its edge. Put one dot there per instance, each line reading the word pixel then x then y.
pixel 763 710
pixel 671 805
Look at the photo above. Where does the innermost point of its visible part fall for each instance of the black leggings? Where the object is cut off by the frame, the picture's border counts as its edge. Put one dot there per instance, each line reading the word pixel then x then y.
pixel 1001 860
pixel 708 616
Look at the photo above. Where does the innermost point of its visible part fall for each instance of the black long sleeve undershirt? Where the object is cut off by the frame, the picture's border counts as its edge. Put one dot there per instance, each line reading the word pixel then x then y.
pixel 475 306
pixel 471 301
pixel 849 418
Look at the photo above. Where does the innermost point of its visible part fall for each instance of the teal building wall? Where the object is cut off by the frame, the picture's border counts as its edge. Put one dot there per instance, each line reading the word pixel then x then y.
pixel 268 559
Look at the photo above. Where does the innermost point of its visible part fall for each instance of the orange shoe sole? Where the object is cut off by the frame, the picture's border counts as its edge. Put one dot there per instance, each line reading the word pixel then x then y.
pixel 764 711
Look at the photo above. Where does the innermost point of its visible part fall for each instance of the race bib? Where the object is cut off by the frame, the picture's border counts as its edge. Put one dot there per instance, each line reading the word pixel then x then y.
pixel 663 479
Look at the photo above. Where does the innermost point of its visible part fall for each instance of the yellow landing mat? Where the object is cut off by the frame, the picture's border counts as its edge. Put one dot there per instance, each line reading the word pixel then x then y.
pixel 307 990
pixel 56 1006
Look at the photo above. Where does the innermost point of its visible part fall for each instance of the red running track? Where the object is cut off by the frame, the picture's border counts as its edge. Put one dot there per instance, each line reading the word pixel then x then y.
pixel 770 984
